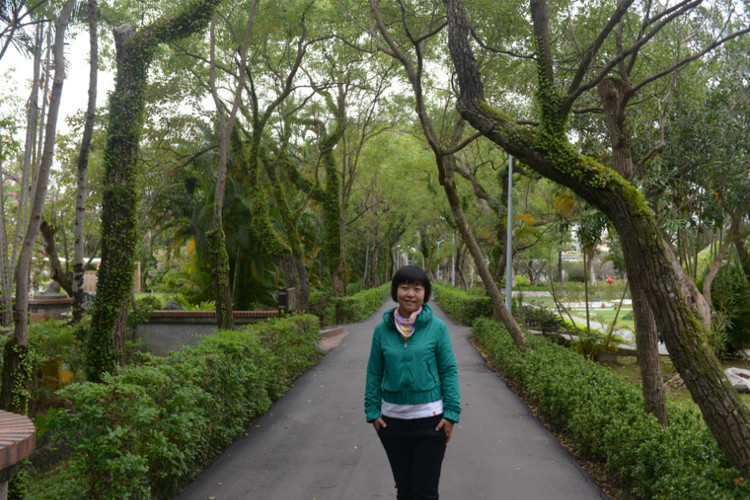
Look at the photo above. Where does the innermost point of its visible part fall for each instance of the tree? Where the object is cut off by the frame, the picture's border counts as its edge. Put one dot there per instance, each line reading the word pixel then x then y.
pixel 16 373
pixel 216 236
pixel 135 51
pixel 82 164
pixel 443 145
pixel 547 149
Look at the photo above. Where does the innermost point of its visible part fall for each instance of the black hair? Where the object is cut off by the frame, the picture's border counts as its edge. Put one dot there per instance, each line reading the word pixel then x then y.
pixel 411 275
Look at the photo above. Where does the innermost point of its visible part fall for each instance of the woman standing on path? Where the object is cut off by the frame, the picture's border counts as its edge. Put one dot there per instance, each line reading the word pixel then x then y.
pixel 412 395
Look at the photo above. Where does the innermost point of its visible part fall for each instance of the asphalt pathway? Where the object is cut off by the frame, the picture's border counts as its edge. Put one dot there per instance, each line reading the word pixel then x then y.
pixel 314 443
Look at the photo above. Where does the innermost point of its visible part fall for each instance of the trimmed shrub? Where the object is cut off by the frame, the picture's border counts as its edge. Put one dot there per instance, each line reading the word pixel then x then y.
pixel 146 431
pixel 540 318
pixel 320 303
pixel 462 307
pixel 360 306
pixel 603 414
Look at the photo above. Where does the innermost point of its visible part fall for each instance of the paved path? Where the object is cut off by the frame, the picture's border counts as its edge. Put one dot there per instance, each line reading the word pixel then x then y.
pixel 314 443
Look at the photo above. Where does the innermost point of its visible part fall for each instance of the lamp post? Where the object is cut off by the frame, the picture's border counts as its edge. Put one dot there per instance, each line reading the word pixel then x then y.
pixel 509 240
pixel 438 251
pixel 453 260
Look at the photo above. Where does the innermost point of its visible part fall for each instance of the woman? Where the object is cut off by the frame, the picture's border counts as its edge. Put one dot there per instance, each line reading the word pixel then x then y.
pixel 412 395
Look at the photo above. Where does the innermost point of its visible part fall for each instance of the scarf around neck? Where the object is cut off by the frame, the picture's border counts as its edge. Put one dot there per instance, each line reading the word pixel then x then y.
pixel 405 326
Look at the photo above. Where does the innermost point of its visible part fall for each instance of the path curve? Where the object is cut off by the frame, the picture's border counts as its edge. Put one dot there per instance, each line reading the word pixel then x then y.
pixel 314 443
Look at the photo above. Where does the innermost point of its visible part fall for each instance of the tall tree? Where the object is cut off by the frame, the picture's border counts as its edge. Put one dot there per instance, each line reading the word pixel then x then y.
pixel 83 163
pixel 16 373
pixel 216 238
pixel 135 51
pixel 444 145
pixel 547 150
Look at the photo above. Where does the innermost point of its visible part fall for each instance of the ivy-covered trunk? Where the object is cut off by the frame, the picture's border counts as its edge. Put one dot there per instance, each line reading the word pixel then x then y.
pixel 647 257
pixel 217 251
pixel 135 51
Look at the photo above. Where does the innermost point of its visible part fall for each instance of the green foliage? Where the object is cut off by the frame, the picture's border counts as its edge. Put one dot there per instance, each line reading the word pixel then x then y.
pixel 360 306
pixel 730 292
pixel 49 341
pixel 320 303
pixel 151 302
pixel 462 307
pixel 146 431
pixel 539 318
pixel 603 415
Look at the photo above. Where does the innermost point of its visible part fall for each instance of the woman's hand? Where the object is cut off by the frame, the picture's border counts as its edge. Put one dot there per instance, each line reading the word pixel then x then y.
pixel 446 425
pixel 378 423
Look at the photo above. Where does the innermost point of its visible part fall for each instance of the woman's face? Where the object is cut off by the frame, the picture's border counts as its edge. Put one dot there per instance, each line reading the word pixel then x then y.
pixel 410 298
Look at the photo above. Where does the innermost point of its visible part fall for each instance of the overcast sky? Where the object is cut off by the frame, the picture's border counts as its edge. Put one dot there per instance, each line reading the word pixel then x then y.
pixel 75 88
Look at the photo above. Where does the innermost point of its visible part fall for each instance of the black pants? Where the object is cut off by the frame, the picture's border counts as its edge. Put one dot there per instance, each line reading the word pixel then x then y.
pixel 415 450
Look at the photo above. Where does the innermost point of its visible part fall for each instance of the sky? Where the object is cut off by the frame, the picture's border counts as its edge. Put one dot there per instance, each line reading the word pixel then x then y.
pixel 75 88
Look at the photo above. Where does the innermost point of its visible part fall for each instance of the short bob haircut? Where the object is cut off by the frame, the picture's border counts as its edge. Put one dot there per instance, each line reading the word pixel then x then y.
pixel 410 275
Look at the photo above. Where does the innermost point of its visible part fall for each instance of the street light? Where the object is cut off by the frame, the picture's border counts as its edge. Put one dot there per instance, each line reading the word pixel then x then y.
pixel 438 251
pixel 509 240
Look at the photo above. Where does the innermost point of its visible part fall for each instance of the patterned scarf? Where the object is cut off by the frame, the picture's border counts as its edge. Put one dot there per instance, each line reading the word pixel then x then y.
pixel 406 325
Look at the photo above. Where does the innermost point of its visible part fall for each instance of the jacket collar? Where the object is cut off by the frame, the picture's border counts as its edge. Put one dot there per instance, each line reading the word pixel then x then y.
pixel 424 317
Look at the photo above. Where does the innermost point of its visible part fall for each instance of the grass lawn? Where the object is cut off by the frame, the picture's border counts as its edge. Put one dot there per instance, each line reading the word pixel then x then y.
pixel 677 393
pixel 596 312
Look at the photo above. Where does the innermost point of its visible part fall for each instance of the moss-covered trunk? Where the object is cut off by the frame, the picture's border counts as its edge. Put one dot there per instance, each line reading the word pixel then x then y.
pixel 135 50
pixel 217 251
pixel 548 152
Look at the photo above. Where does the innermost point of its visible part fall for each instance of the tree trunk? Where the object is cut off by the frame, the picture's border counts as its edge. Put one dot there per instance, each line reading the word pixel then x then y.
pixel 446 165
pixel 56 272
pixel 135 51
pixel 500 312
pixel 6 277
pixel 614 95
pixel 41 125
pixel 288 268
pixel 32 120
pixel 217 251
pixel 548 152
pixel 647 346
pixel 614 102
pixel 120 332
pixel 303 292
pixel 83 163
pixel 733 235
pixel 16 375
pixel 217 239
pixel 743 256
pixel 375 256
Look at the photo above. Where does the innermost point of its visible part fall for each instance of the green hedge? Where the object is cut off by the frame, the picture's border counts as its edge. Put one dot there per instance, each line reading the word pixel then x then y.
pixel 147 431
pixel 460 306
pixel 360 306
pixel 604 416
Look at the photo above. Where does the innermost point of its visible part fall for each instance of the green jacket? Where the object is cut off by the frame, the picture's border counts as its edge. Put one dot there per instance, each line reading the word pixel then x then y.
pixel 419 370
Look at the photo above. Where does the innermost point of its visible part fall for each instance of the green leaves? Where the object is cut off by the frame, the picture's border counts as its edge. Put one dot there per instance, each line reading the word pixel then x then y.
pixel 146 431
pixel 604 418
